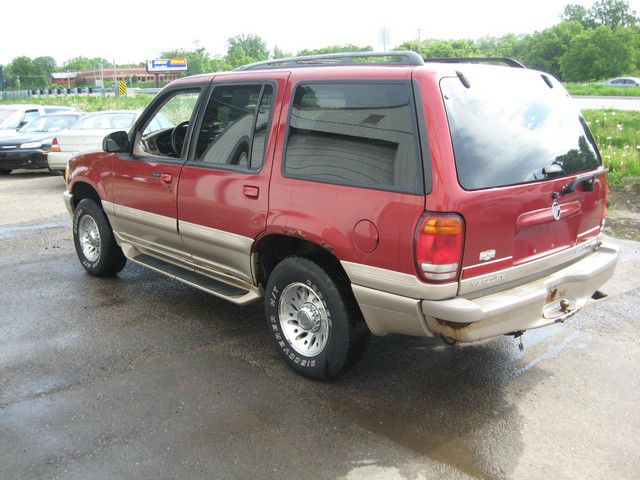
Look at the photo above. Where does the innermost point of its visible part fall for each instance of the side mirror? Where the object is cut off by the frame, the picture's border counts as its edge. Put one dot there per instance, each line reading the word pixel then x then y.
pixel 116 142
pixel 22 124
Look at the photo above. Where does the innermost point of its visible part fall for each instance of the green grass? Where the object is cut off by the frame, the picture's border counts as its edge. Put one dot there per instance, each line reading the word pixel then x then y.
pixel 90 104
pixel 617 133
pixel 596 88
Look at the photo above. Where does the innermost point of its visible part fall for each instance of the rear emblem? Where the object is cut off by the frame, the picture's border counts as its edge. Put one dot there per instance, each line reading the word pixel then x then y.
pixel 555 210
pixel 487 255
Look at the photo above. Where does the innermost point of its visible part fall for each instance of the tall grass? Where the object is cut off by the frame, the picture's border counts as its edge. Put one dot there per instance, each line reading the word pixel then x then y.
pixel 617 133
pixel 90 104
pixel 600 89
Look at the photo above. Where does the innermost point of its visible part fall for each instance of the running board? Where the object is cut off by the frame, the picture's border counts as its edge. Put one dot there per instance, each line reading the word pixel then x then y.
pixel 207 284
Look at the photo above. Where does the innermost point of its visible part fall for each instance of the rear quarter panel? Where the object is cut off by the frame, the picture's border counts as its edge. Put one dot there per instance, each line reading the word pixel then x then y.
pixel 327 214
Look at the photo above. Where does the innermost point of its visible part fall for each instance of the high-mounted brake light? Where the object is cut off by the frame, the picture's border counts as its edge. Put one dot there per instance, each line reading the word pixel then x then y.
pixel 54 146
pixel 438 244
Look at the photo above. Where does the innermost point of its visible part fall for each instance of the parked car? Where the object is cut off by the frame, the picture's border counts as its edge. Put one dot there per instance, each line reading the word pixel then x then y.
pixel 29 146
pixel 398 196
pixel 13 117
pixel 623 82
pixel 87 135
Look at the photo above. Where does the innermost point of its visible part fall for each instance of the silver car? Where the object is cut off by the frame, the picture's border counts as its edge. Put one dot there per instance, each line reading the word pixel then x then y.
pixel 623 82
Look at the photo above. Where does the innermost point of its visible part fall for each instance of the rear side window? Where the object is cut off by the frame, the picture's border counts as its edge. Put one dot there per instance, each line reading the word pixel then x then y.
pixel 508 125
pixel 358 134
pixel 234 127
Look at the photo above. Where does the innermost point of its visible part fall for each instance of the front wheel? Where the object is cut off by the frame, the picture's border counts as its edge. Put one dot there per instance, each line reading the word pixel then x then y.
pixel 95 245
pixel 314 319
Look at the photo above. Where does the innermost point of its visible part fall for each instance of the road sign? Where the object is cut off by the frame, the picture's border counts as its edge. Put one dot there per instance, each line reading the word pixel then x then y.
pixel 162 65
pixel 122 88
pixel 99 83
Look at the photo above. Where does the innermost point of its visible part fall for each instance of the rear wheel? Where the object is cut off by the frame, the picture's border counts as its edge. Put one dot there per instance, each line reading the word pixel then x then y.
pixel 314 319
pixel 5 171
pixel 95 245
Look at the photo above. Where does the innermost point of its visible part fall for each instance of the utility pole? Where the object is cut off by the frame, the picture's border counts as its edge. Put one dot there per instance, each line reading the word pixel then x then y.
pixel 102 77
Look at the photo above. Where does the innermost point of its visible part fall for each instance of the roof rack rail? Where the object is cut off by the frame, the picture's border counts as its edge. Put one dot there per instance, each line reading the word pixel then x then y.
pixel 510 62
pixel 338 59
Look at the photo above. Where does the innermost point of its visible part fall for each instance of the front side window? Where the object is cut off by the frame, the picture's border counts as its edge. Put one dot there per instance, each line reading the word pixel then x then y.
pixel 234 126
pixel 358 134
pixel 165 131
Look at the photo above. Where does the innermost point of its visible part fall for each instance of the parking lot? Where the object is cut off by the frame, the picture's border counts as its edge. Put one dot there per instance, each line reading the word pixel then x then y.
pixel 143 377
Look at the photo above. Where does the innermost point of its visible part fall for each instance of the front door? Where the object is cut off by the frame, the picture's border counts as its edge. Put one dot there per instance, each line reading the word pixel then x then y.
pixel 224 190
pixel 145 181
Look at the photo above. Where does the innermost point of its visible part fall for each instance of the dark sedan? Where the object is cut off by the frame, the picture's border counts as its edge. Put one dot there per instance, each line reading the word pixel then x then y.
pixel 29 146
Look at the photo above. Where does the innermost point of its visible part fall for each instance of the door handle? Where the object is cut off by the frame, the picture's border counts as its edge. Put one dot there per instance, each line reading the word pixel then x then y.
pixel 250 191
pixel 166 177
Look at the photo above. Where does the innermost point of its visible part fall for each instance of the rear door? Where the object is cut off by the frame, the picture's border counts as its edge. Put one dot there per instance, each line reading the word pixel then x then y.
pixel 224 188
pixel 518 143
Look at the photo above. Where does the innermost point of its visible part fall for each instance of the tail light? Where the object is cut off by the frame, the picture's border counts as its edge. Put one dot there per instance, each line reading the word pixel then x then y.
pixel 439 241
pixel 54 146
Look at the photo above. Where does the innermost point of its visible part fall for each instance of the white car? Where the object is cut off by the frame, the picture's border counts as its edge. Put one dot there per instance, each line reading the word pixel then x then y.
pixel 87 135
pixel 88 132
pixel 13 117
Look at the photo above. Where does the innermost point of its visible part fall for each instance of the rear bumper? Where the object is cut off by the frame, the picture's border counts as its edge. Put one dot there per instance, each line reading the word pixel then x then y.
pixel 468 319
pixel 58 161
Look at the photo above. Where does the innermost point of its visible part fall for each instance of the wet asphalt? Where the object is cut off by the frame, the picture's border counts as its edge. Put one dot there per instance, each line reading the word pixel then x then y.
pixel 142 377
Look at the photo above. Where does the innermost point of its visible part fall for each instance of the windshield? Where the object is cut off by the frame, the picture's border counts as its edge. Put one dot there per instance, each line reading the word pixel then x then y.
pixel 105 121
pixel 49 124
pixel 9 118
pixel 508 125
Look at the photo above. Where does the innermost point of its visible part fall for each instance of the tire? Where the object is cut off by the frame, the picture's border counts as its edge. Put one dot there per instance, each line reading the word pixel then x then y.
pixel 96 247
pixel 5 171
pixel 316 299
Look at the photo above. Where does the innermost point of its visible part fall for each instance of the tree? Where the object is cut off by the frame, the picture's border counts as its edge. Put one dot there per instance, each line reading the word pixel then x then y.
pixel 243 49
pixel 335 49
pixel 84 63
pixel 613 13
pixel 198 60
pixel 578 13
pixel 596 54
pixel 543 50
pixel 25 73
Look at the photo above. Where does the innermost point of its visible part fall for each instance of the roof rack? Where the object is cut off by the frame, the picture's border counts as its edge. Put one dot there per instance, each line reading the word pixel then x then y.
pixel 510 62
pixel 338 59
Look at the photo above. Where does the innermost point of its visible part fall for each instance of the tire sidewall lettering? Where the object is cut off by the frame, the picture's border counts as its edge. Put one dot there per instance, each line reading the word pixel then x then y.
pixel 281 342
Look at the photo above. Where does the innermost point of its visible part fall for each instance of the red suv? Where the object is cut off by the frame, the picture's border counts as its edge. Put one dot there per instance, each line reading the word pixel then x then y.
pixel 357 193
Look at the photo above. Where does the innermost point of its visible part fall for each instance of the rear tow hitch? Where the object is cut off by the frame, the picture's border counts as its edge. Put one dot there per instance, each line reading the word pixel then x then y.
pixel 518 335
pixel 598 295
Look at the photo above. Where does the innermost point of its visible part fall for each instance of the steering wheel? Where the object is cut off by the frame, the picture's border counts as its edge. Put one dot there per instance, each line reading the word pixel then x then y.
pixel 178 135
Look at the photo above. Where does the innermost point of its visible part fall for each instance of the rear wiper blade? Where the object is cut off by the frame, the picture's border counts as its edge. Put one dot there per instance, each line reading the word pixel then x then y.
pixel 586 179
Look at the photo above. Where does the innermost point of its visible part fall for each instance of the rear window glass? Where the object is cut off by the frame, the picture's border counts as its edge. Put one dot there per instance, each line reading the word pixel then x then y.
pixel 507 127
pixel 105 121
pixel 359 134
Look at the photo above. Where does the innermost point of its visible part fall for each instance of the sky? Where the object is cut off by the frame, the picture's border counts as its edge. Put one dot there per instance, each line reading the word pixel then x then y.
pixel 133 31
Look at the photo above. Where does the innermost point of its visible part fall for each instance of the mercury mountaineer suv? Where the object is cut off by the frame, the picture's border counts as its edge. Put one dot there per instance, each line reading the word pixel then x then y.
pixel 356 194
